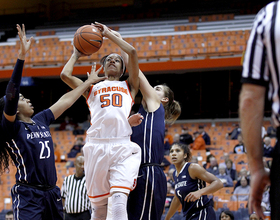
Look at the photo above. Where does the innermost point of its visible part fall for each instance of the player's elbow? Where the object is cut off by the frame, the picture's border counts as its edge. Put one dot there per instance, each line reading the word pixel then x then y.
pixel 64 77
pixel 219 184
pixel 133 52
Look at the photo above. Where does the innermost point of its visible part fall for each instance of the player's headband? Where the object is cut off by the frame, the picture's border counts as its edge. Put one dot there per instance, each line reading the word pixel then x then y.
pixel 103 59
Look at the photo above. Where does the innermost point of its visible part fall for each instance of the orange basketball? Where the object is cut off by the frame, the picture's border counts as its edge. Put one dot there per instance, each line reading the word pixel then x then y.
pixel 88 39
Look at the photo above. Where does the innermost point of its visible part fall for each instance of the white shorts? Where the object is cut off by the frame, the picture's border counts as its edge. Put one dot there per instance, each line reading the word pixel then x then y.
pixel 111 165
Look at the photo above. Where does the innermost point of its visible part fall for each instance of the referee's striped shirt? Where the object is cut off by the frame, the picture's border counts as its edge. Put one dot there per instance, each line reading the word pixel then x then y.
pixel 74 192
pixel 261 64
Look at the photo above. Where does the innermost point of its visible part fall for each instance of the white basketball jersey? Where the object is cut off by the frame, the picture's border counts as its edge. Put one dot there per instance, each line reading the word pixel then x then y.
pixel 110 104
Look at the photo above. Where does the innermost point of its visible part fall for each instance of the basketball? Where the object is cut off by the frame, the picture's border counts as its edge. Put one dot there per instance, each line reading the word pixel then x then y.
pixel 88 39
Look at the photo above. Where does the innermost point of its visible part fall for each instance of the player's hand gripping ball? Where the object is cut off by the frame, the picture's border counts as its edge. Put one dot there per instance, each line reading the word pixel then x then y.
pixel 88 39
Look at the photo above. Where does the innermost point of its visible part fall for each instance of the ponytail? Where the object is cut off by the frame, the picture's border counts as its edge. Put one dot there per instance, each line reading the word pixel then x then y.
pixel 172 108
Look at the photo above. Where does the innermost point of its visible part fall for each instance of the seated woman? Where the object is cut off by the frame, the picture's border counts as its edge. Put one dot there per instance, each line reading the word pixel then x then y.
pixel 241 193
pixel 224 177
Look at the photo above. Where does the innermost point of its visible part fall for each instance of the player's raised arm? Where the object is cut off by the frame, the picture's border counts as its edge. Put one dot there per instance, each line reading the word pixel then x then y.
pixel 150 97
pixel 12 90
pixel 68 99
pixel 133 67
pixel 66 73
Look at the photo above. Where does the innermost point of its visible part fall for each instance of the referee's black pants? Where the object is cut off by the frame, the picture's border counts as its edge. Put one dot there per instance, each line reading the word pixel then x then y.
pixel 275 181
pixel 78 216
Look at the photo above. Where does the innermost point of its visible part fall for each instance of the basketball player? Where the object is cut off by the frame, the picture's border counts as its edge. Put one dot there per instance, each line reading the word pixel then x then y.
pixel 190 190
pixel 29 144
pixel 147 200
pixel 111 159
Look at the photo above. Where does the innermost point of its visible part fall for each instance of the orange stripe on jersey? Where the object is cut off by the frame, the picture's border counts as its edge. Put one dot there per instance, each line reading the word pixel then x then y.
pixel 129 92
pixel 98 196
pixel 122 187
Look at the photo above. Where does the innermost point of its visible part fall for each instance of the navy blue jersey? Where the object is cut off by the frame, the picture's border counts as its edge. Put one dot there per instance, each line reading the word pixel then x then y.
pixel 149 135
pixel 147 200
pixel 30 146
pixel 184 184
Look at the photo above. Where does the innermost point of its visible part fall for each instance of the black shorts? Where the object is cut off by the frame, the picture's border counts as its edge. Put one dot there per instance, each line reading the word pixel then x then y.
pixel 147 200
pixel 31 203
pixel 207 213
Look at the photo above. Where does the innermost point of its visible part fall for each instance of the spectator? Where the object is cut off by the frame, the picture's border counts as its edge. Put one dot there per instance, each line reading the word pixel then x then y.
pixel 241 193
pixel 169 197
pixel 207 164
pixel 199 143
pixel 170 177
pixel 226 215
pixel 234 133
pixel 79 143
pixel 205 136
pixel 176 138
pixel 74 194
pixel 224 177
pixel 265 200
pixel 9 215
pixel 239 148
pixel 267 148
pixel 226 157
pixel 254 216
pixel 168 137
pixel 168 140
pixel 170 187
pixel 213 166
pixel 57 154
pixel 242 173
pixel 271 131
pixel 68 124
pixel 267 163
pixel 185 137
pixel 264 133
pixel 194 159
pixel 165 164
pixel 86 124
pixel 229 169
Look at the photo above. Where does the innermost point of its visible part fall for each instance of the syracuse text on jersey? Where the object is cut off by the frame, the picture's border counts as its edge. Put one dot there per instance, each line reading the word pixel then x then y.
pixel 109 89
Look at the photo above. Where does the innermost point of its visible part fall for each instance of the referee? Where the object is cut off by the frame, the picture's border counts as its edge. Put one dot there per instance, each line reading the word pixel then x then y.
pixel 74 194
pixel 261 76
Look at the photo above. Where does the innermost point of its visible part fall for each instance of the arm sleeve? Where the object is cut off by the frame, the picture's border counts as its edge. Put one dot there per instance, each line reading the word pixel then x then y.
pixel 12 90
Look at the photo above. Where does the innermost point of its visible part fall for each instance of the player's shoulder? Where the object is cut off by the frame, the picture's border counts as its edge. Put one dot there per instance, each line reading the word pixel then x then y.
pixel 194 168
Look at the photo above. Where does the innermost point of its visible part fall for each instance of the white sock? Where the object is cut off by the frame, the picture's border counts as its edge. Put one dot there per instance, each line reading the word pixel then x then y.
pixel 119 201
